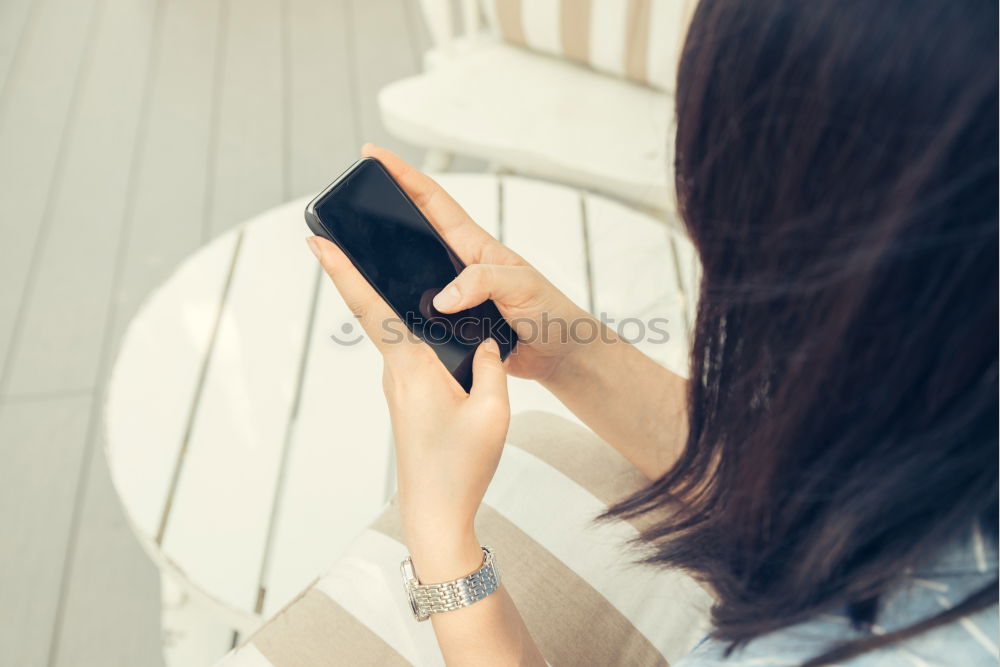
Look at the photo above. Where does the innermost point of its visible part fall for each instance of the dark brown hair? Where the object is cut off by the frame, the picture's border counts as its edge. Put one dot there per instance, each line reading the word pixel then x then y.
pixel 836 167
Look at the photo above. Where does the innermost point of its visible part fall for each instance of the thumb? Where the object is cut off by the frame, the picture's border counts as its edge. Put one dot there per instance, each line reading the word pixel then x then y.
pixel 506 285
pixel 489 379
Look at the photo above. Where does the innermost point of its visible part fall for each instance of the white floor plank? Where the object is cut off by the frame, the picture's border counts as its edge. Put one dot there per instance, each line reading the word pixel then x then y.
pixel 39 441
pixel 172 181
pixel 111 613
pixel 323 128
pixel 63 320
pixel 249 164
pixel 383 52
pixel 218 524
pixel 14 16
pixel 39 94
pixel 215 126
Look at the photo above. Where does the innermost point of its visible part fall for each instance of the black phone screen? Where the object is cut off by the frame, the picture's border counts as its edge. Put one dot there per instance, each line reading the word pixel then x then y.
pixel 396 249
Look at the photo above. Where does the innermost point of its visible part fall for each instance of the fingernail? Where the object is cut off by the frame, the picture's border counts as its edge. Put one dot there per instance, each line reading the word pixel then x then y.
pixel 491 345
pixel 311 242
pixel 447 298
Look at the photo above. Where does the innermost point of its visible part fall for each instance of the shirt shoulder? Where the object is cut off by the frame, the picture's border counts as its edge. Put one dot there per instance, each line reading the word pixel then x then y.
pixel 964 568
pixel 971 642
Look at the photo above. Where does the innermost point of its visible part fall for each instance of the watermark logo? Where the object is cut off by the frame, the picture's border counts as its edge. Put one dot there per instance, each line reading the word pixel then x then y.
pixel 349 334
pixel 545 330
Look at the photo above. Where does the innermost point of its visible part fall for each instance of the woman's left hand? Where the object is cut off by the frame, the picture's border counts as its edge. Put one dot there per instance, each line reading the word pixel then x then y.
pixel 448 443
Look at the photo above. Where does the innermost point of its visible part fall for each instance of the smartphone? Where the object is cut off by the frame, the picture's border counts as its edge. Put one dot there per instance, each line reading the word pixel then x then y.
pixel 403 257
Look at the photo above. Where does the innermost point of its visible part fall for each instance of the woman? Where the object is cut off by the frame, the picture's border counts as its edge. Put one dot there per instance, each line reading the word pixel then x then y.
pixel 830 471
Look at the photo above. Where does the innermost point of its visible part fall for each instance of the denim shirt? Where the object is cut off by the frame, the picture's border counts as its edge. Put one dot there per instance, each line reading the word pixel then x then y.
pixel 961 569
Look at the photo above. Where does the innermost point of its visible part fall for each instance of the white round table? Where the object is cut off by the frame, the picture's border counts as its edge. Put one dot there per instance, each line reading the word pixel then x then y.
pixel 247 435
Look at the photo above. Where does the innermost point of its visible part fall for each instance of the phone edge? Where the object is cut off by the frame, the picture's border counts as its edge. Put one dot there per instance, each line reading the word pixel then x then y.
pixel 315 224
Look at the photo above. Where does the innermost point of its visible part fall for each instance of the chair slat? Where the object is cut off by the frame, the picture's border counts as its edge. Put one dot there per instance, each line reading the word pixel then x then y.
pixel 478 194
pixel 338 453
pixel 635 280
pixel 542 223
pixel 222 505
pixel 167 341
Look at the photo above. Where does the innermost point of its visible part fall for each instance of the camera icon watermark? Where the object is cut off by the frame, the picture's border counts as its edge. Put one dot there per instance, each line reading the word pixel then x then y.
pixel 349 334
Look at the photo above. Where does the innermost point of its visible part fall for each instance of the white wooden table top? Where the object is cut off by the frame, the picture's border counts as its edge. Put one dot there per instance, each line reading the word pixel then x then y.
pixel 249 448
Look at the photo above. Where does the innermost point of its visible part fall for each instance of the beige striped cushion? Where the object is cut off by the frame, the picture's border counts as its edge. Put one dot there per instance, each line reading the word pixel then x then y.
pixel 582 601
pixel 636 39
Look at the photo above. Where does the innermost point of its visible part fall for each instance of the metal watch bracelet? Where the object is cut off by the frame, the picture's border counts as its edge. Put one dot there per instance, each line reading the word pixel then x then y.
pixel 427 599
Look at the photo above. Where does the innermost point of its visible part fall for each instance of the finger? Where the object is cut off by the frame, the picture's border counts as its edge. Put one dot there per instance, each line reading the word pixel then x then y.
pixel 460 231
pixel 489 379
pixel 511 286
pixel 379 321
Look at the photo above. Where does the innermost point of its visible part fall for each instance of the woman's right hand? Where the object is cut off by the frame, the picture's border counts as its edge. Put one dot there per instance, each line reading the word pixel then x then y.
pixel 629 400
pixel 543 317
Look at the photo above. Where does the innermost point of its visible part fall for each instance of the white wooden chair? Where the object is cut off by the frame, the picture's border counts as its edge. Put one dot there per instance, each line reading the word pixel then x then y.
pixel 246 432
pixel 573 92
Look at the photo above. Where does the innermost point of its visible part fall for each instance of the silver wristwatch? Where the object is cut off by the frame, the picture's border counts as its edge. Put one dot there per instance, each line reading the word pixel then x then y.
pixel 427 599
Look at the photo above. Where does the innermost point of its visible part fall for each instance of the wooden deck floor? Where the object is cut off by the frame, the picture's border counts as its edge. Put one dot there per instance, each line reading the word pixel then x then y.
pixel 131 132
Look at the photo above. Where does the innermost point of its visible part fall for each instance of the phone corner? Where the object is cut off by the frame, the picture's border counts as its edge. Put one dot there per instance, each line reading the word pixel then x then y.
pixel 312 219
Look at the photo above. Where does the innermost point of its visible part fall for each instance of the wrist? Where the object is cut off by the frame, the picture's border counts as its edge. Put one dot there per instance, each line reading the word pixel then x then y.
pixel 439 560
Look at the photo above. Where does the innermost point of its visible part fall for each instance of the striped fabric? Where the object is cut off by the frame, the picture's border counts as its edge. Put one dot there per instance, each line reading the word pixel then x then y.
pixel 571 580
pixel 640 40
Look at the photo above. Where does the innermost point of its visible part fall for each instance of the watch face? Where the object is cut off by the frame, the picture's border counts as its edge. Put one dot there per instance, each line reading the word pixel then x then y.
pixel 409 578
